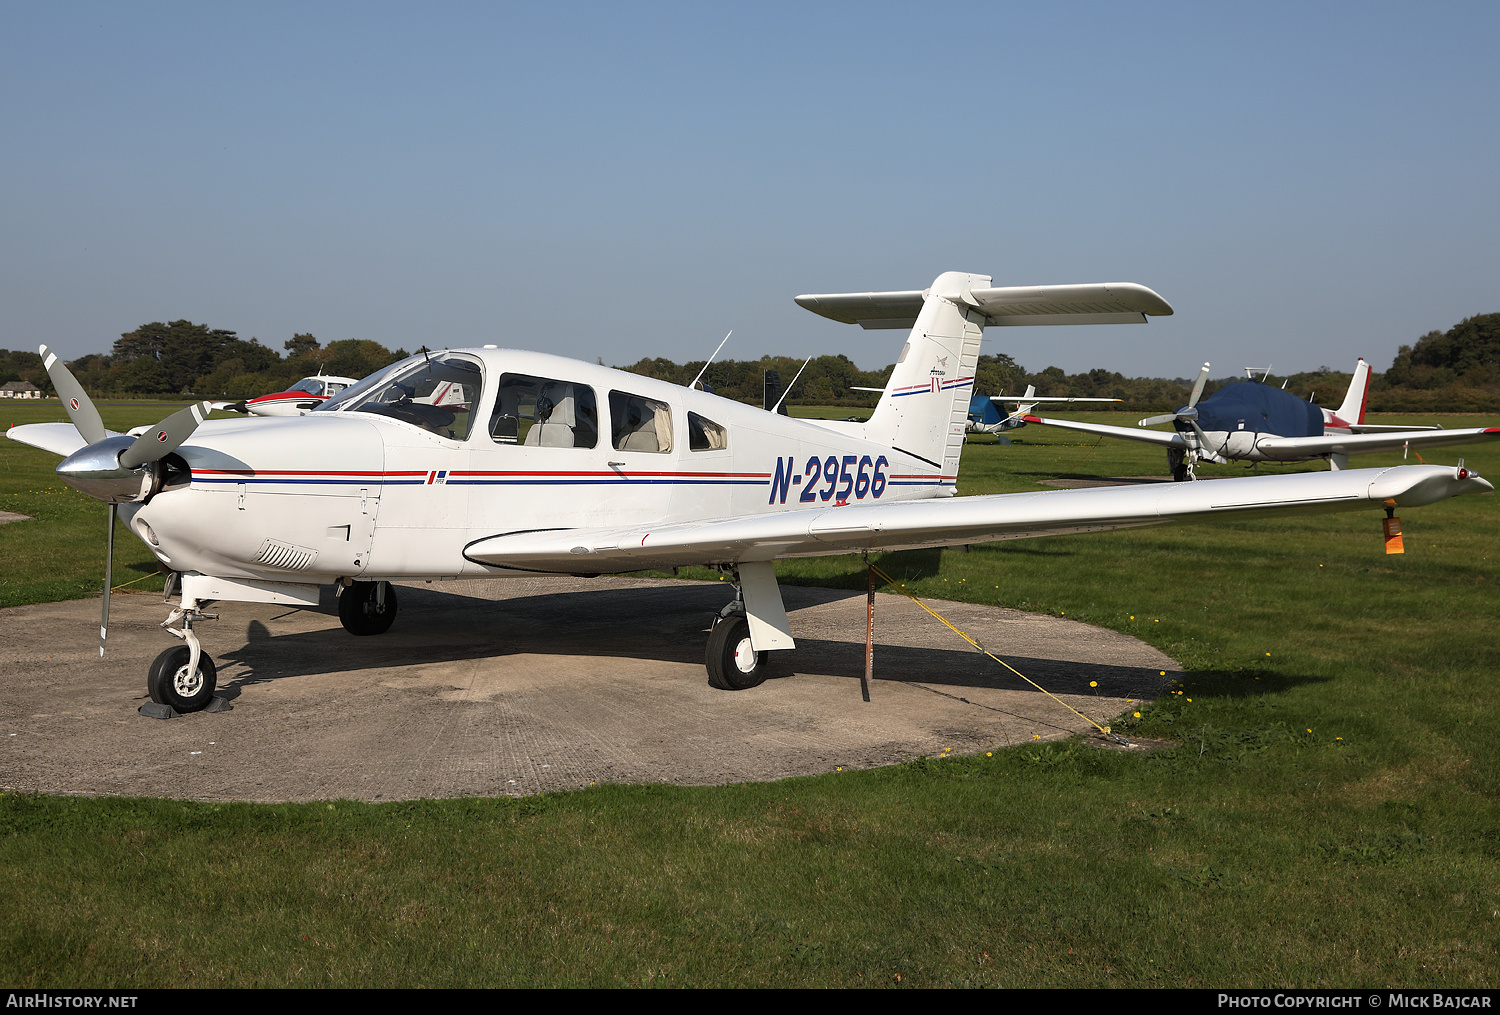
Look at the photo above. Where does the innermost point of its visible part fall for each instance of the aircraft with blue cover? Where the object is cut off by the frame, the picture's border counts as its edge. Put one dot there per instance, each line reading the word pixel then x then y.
pixel 1253 421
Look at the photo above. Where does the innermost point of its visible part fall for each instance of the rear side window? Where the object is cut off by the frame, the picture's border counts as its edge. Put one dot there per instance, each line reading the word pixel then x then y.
pixel 542 412
pixel 639 423
pixel 705 435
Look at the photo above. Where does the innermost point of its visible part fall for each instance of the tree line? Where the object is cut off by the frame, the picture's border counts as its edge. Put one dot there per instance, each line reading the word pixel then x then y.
pixel 1453 371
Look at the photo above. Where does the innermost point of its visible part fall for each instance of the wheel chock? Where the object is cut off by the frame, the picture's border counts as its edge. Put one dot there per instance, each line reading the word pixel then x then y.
pixel 156 710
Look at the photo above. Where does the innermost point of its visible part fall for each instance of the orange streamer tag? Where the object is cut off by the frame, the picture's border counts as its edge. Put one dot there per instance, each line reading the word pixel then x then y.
pixel 1393 536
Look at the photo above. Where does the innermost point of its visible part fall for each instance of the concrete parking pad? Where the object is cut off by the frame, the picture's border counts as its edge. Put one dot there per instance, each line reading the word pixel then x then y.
pixel 515 687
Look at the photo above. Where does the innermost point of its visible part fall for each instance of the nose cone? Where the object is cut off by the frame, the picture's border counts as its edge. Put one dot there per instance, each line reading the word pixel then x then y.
pixel 96 471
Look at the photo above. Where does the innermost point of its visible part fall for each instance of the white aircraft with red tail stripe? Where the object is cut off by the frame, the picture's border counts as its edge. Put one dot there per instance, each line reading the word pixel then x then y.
pixel 302 397
pixel 502 463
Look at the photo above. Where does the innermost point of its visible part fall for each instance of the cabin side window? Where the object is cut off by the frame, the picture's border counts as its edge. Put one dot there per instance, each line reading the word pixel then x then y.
pixel 640 424
pixel 706 435
pixel 541 412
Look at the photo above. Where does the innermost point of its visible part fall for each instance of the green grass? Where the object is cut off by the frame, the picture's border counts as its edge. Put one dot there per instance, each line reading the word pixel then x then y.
pixel 1327 818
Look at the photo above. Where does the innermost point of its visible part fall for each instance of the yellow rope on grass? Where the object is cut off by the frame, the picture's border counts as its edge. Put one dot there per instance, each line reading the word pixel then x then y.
pixel 902 589
pixel 142 578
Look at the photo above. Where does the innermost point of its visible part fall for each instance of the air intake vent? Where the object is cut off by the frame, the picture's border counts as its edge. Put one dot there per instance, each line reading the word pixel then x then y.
pixel 275 553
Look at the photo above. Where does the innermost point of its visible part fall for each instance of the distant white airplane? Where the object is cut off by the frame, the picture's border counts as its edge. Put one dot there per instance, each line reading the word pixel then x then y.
pixel 499 463
pixel 304 396
pixel 1257 422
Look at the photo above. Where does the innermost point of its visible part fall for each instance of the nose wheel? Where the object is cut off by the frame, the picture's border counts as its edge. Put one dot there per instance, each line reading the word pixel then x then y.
pixel 169 681
pixel 367 608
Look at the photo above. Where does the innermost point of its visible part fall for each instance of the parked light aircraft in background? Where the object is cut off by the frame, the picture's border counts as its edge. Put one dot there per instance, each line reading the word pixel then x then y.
pixel 985 417
pixel 304 396
pixel 1257 422
pixel 534 464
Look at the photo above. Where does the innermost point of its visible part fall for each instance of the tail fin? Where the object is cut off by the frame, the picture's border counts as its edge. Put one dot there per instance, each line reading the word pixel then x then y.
pixel 1353 409
pixel 771 393
pixel 926 402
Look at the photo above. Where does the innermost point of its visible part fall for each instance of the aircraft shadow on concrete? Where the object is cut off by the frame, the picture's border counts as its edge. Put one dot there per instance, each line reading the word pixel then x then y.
pixel 667 623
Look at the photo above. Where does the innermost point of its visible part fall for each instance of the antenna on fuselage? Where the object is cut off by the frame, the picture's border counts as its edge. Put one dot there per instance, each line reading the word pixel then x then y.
pixel 710 360
pixel 789 387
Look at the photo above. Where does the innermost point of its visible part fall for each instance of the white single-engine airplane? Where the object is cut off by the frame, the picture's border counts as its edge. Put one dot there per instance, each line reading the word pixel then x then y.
pixel 1257 422
pixel 304 396
pixel 547 465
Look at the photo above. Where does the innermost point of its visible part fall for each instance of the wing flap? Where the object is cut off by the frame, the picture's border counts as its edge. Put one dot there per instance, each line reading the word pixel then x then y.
pixel 951 521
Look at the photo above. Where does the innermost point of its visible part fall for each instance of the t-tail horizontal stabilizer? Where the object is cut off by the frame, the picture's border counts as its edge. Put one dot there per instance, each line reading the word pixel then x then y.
pixel 924 411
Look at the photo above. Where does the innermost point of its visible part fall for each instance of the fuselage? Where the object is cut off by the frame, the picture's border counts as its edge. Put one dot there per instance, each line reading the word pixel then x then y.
pixel 398 489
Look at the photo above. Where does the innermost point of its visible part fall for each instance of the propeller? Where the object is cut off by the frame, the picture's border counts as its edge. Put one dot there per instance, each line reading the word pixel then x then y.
pixel 114 468
pixel 1189 412
pixel 162 439
pixel 75 400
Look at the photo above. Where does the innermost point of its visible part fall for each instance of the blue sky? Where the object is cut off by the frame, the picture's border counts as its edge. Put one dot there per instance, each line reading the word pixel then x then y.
pixel 1305 183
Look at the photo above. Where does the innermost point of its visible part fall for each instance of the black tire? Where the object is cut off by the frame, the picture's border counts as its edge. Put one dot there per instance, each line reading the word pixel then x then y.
pixel 729 654
pixel 359 613
pixel 168 683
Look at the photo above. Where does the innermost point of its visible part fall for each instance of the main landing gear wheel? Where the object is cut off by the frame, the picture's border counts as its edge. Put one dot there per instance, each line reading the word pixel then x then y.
pixel 362 611
pixel 169 682
pixel 732 664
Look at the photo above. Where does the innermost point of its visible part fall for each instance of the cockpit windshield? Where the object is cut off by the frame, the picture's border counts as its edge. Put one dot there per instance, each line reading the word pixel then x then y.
pixel 434 391
pixel 311 385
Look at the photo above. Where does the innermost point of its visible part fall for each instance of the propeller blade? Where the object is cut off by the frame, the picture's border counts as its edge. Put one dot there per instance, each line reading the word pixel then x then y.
pixel 1204 451
pixel 1198 388
pixel 1166 417
pixel 75 401
pixel 164 437
pixel 109 566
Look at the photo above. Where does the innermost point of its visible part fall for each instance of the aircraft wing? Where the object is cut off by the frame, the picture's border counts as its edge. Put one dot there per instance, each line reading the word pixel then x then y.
pixel 951 521
pixel 1365 443
pixel 58 438
pixel 1089 303
pixel 1165 438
